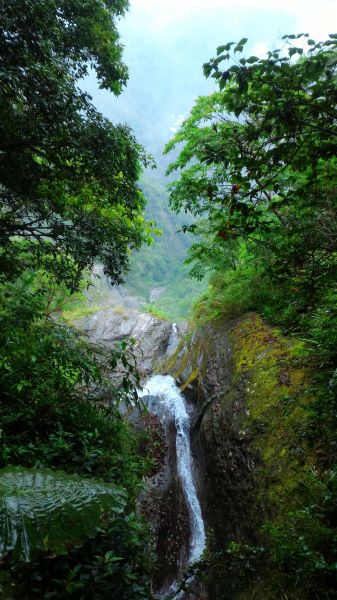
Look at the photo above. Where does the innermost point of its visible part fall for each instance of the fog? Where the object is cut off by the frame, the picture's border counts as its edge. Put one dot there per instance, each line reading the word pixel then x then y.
pixel 166 43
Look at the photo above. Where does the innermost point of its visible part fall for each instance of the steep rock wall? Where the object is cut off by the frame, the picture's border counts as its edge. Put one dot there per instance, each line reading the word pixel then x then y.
pixel 251 389
pixel 163 505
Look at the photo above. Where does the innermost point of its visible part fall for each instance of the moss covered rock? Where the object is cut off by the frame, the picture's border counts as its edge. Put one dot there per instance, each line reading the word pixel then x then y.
pixel 252 390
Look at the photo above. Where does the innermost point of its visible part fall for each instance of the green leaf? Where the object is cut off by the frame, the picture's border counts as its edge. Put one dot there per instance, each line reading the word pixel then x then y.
pixel 225 47
pixel 221 58
pixel 252 59
pixel 225 76
pixel 207 69
pixel 51 511
pixel 243 41
pixel 221 49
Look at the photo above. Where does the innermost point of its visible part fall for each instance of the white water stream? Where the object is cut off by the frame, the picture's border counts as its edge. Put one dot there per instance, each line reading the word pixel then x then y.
pixel 173 341
pixel 166 401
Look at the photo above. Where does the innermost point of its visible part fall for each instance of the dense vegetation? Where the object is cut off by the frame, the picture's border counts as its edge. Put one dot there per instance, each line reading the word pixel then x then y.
pixel 259 175
pixel 161 265
pixel 68 196
pixel 76 198
pixel 258 170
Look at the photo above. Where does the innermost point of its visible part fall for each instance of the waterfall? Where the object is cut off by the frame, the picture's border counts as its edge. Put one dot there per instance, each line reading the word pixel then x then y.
pixel 173 341
pixel 164 399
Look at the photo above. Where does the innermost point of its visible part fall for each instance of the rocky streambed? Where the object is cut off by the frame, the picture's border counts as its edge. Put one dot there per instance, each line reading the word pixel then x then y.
pixel 202 482
pixel 170 500
pixel 234 377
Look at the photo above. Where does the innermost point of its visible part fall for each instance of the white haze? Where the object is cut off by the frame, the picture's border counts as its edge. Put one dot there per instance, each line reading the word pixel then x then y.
pixel 166 43
pixel 307 15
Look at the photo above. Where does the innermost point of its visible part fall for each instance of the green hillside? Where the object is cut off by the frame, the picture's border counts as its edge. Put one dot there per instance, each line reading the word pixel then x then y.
pixel 160 265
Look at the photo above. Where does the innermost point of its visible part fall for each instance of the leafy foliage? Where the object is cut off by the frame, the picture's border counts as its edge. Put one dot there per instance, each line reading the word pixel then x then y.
pixel 59 409
pixel 115 564
pixel 59 404
pixel 257 168
pixel 68 195
pixel 51 511
pixel 258 165
pixel 77 196
pixel 297 558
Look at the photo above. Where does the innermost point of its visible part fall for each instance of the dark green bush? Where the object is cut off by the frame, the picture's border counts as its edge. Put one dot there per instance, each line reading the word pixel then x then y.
pixel 59 409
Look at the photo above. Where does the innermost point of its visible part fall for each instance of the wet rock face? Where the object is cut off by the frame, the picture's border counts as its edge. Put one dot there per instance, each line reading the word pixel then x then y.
pixel 251 389
pixel 228 471
pixel 163 505
pixel 226 458
pixel 151 335
pixel 173 537
pixel 179 532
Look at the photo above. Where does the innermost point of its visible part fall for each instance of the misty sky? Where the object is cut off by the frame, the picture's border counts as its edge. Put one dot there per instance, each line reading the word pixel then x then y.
pixel 167 41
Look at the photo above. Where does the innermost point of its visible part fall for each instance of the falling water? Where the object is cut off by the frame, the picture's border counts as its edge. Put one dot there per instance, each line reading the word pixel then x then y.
pixel 173 341
pixel 166 401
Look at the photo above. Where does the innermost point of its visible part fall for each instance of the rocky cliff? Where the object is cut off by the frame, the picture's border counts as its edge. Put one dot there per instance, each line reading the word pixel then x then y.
pixel 162 501
pixel 250 396
pixel 250 386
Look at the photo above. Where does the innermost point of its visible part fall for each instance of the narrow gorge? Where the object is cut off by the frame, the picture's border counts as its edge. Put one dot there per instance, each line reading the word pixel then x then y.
pixel 172 488
pixel 219 396
pixel 168 300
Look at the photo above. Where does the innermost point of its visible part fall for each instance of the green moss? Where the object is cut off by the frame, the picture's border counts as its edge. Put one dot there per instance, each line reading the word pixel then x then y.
pixel 277 395
pixel 268 406
pixel 176 363
pixel 72 314
pixel 276 375
pixel 191 378
pixel 185 365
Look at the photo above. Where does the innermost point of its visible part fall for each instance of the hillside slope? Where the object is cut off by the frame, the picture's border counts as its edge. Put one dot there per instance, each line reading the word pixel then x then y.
pixel 161 264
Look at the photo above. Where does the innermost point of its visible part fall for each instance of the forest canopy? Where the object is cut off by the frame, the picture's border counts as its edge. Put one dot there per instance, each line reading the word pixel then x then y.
pixel 69 196
pixel 258 168
pixel 68 176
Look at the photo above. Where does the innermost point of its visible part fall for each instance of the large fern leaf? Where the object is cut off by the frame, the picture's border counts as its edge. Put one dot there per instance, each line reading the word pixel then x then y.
pixel 51 511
